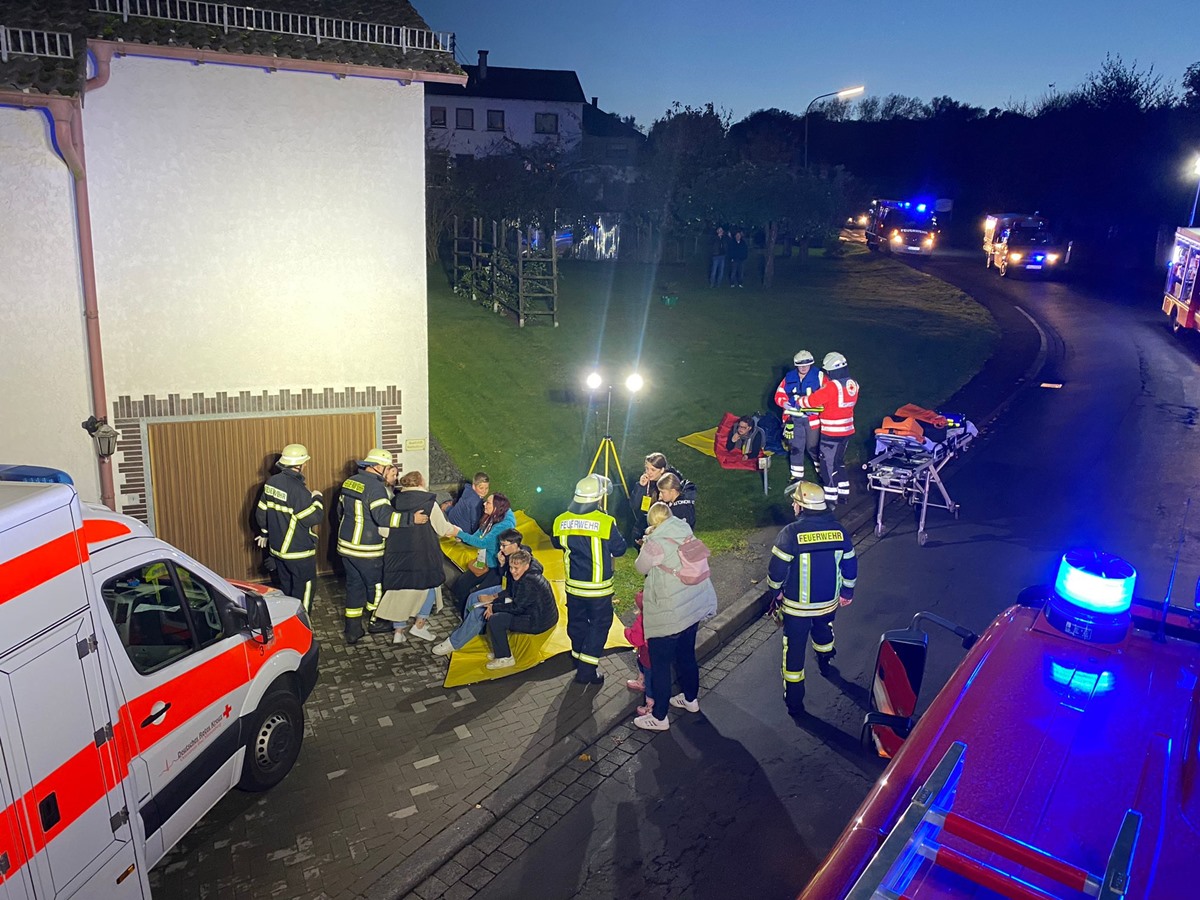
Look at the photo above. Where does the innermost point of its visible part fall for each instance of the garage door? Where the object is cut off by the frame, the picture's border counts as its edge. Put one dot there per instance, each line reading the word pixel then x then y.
pixel 206 475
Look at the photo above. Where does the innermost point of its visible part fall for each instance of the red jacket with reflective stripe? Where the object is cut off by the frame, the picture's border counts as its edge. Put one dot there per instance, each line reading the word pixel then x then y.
pixel 836 399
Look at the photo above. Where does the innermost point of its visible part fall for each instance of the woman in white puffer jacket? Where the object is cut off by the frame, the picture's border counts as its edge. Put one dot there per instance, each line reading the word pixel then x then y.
pixel 671 615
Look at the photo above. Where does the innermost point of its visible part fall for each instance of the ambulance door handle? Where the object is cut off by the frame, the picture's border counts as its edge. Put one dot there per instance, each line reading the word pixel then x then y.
pixel 155 716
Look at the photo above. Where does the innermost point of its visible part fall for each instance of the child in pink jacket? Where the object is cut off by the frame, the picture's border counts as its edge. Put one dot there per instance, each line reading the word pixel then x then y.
pixel 636 635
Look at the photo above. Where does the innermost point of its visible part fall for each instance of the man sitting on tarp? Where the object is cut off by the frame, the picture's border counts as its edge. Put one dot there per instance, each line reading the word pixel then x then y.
pixel 526 607
pixel 467 510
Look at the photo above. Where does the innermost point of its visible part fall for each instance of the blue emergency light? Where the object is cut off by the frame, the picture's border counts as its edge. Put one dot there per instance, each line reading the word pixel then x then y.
pixel 920 207
pixel 1092 595
pixel 34 474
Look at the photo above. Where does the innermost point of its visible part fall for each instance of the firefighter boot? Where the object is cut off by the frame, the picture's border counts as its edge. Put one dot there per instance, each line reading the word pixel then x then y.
pixel 353 629
pixel 825 662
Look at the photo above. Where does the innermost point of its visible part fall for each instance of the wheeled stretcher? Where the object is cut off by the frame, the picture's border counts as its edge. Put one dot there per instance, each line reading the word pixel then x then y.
pixel 910 466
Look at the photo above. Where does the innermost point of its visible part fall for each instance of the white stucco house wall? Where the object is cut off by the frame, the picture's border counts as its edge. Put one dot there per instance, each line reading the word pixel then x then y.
pixel 502 108
pixel 246 196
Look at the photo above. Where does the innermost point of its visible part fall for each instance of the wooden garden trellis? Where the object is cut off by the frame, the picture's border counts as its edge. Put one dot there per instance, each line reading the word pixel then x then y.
pixel 506 268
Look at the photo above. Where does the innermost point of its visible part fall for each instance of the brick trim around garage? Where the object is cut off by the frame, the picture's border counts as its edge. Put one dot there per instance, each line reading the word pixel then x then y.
pixel 130 417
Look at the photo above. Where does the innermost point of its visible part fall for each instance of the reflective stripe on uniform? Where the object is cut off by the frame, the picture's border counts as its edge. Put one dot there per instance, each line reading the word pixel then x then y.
pixel 788 675
pixel 590 588
pixel 786 557
pixel 824 648
pixel 354 613
pixel 373 603
pixel 360 551
pixel 806 610
pixel 584 658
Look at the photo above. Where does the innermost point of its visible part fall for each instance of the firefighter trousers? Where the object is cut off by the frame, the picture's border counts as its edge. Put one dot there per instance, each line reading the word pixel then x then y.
pixel 796 632
pixel 296 577
pixel 804 443
pixel 588 621
pixel 834 477
pixel 364 588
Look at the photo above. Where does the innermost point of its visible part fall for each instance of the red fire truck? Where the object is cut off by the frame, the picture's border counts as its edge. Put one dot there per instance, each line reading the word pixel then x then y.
pixel 1180 298
pixel 1060 760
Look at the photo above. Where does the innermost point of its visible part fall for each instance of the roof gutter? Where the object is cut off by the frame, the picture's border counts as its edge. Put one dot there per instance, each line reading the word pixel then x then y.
pixel 66 117
pixel 269 63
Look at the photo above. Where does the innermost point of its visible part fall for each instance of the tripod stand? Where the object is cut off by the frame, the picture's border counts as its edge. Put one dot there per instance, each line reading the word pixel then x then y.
pixel 608 450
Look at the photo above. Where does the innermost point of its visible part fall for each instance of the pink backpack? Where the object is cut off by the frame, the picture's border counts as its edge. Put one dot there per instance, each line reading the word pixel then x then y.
pixel 693 561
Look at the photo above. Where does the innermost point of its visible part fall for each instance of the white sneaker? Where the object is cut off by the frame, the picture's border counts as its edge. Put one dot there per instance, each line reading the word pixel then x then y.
pixel 504 662
pixel 423 632
pixel 681 702
pixel 398 636
pixel 445 648
pixel 649 723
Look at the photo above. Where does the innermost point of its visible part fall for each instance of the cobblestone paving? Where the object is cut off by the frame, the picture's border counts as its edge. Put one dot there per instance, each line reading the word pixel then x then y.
pixel 390 759
pixel 491 852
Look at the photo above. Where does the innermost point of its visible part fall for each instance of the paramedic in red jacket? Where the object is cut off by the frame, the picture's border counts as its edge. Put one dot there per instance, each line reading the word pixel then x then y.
pixel 834 402
pixel 800 433
pixel 813 567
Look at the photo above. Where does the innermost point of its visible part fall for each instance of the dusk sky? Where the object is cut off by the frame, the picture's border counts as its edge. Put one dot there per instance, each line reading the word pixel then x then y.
pixel 639 55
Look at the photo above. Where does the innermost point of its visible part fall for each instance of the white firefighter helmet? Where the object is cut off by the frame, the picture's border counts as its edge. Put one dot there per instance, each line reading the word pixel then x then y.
pixel 378 457
pixel 803 358
pixel 294 455
pixel 833 361
pixel 591 488
pixel 807 494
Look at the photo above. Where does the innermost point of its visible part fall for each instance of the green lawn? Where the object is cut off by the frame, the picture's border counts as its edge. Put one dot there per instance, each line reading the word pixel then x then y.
pixel 515 405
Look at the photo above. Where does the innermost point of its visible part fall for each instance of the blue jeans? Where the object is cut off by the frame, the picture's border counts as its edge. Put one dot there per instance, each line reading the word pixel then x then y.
pixel 472 626
pixel 717 273
pixel 423 612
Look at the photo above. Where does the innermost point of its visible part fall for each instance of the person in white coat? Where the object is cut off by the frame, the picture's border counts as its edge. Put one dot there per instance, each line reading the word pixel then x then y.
pixel 671 615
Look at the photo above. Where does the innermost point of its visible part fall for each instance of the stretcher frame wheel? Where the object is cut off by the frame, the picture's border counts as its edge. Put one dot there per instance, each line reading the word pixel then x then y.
pixel 922 538
pixel 878 530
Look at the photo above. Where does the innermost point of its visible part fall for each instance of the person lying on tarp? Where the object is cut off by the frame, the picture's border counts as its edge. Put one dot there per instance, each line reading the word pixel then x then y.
pixel 527 607
pixel 746 438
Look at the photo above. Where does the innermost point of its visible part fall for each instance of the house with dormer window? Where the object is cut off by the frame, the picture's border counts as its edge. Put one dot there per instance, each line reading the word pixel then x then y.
pixel 212 239
pixel 502 108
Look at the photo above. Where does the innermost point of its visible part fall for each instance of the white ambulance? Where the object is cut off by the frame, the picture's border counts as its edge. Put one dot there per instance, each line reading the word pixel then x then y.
pixel 136 689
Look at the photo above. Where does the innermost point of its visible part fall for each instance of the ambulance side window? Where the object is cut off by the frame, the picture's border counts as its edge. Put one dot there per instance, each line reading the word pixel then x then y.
pixel 150 620
pixel 202 602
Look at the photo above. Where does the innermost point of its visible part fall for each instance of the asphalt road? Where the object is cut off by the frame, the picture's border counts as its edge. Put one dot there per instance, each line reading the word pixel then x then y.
pixel 739 801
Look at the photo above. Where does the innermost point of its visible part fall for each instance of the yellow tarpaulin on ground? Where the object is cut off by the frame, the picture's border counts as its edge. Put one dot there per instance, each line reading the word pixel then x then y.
pixel 701 440
pixel 468 665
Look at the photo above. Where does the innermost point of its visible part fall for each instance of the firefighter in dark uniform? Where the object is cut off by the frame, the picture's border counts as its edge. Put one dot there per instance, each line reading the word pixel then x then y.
pixel 589 539
pixel 813 567
pixel 365 511
pixel 287 517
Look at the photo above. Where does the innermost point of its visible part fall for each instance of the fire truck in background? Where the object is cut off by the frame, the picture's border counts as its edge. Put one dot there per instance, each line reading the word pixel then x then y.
pixel 137 688
pixel 1022 242
pixel 1058 761
pixel 1181 297
pixel 902 226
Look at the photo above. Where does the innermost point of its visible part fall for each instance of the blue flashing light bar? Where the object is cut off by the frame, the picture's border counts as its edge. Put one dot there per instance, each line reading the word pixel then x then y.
pixel 34 474
pixel 1096 582
pixel 921 207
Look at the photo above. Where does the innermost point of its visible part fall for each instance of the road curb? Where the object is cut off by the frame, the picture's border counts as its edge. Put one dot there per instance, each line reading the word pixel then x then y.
pixel 713 634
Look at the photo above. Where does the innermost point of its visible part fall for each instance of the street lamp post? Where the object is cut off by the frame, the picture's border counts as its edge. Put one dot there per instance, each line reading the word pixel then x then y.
pixel 1196 172
pixel 843 94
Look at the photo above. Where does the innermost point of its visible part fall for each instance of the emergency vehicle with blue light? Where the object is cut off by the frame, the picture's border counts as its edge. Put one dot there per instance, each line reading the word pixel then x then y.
pixel 137 688
pixel 1181 297
pixel 1019 242
pixel 1059 761
pixel 905 227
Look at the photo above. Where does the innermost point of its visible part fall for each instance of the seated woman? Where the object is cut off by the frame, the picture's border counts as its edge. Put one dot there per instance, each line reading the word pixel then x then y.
pixel 670 492
pixel 497 518
pixel 481 600
pixel 528 608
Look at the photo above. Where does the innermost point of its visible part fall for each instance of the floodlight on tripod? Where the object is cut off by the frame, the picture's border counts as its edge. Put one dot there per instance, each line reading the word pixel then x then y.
pixel 607 449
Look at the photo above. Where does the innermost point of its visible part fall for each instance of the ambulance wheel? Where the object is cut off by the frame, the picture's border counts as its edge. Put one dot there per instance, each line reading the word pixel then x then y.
pixel 274 741
pixel 1176 326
